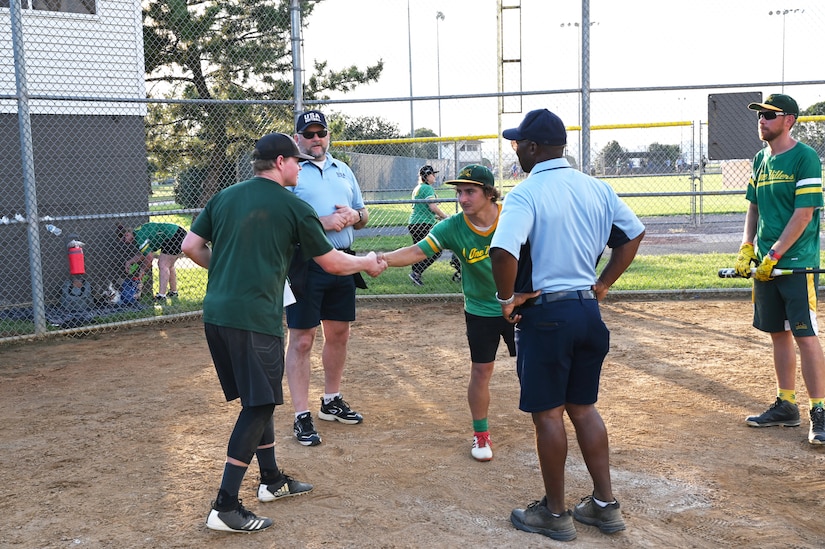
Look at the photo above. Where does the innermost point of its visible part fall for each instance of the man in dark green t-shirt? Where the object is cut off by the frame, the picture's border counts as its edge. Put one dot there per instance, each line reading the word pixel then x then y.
pixel 253 227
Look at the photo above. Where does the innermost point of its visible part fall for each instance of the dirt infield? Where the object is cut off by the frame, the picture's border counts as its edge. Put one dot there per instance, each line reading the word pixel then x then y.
pixel 118 440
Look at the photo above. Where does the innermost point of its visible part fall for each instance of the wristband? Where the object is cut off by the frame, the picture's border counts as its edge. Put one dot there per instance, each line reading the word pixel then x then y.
pixel 774 255
pixel 360 216
pixel 507 301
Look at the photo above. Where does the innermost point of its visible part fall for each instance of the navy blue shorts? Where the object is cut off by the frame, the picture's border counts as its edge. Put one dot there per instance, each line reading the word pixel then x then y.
pixel 561 347
pixel 250 365
pixel 326 297
pixel 484 334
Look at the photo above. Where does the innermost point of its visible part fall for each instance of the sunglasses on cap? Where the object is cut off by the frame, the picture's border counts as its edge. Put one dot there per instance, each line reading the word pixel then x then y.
pixel 771 115
pixel 310 135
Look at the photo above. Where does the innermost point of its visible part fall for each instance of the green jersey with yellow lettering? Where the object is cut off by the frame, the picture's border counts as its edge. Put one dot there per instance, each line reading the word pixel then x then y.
pixel 778 185
pixel 472 247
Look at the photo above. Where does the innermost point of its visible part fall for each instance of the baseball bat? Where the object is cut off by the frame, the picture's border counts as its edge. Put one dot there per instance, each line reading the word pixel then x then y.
pixel 731 273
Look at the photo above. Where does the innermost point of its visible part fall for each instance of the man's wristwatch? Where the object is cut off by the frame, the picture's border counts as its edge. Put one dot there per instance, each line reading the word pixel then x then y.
pixel 506 301
pixel 360 216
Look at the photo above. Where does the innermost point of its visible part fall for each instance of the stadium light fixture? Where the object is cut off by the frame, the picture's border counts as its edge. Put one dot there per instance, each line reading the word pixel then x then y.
pixel 784 12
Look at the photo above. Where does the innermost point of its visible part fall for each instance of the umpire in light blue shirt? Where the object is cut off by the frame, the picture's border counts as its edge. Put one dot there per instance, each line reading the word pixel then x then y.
pixel 553 229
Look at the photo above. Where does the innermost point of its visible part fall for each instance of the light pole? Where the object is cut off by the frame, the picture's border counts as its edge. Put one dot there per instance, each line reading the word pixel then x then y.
pixel 409 47
pixel 783 13
pixel 438 17
pixel 578 82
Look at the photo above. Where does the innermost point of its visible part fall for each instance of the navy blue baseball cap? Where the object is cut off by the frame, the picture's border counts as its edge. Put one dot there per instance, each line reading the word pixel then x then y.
pixel 309 118
pixel 540 126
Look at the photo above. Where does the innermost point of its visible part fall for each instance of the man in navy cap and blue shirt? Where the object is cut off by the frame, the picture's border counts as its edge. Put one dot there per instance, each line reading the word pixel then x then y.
pixel 553 229
pixel 330 187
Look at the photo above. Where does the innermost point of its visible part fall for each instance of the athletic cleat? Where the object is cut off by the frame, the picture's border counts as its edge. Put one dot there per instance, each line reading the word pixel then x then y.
pixel 780 412
pixel 338 409
pixel 817 433
pixel 172 294
pixel 538 519
pixel 482 450
pixel 305 431
pixel 236 520
pixel 456 276
pixel 608 519
pixel 159 298
pixel 283 488
pixel 416 279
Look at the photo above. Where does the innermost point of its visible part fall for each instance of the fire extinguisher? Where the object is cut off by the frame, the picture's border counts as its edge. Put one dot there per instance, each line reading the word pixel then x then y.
pixel 77 264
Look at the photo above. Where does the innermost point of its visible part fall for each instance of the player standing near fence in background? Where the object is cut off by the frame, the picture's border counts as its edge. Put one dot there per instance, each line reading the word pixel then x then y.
pixel 553 229
pixel 785 195
pixel 422 219
pixel 468 235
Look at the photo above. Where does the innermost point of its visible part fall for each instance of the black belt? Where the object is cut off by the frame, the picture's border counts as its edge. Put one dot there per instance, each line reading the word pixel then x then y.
pixel 550 297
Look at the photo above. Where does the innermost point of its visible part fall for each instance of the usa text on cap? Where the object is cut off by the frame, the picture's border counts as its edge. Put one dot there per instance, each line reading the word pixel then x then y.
pixel 309 118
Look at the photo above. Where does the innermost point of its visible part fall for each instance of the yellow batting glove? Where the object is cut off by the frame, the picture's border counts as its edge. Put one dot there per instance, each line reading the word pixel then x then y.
pixel 747 256
pixel 764 270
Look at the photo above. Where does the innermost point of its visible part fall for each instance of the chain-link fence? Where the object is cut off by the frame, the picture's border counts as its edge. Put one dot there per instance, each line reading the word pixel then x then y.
pixel 120 113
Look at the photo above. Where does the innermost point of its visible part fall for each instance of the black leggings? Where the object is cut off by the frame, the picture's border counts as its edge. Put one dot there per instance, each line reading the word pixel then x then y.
pixel 253 428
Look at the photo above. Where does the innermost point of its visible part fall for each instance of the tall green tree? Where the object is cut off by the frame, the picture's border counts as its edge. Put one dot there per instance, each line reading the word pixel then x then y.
pixel 611 155
pixel 226 50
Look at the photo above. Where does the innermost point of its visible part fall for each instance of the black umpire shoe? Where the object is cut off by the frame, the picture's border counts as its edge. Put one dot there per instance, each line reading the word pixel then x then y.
pixel 780 412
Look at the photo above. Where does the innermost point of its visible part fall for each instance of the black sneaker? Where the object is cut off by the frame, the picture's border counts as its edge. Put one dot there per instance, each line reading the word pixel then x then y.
pixel 781 412
pixel 159 298
pixel 416 279
pixel 283 488
pixel 305 430
pixel 817 433
pixel 236 520
pixel 608 519
pixel 456 276
pixel 339 410
pixel 172 294
pixel 538 519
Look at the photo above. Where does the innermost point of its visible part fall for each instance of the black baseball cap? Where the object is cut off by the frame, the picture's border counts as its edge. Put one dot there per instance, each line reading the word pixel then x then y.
pixel 426 170
pixel 273 145
pixel 539 126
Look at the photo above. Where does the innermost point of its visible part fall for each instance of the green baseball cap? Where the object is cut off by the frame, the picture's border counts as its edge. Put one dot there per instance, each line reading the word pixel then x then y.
pixel 475 174
pixel 777 102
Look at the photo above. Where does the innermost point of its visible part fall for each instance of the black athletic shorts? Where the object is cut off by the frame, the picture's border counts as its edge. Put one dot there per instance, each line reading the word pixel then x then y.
pixel 250 365
pixel 171 246
pixel 483 335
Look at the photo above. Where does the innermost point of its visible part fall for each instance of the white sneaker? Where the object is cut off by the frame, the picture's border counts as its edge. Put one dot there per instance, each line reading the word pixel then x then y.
pixel 482 450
